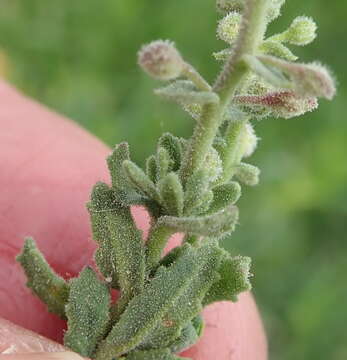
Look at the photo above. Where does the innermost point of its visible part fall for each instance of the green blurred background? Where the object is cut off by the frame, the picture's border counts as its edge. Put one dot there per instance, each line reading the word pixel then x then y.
pixel 79 58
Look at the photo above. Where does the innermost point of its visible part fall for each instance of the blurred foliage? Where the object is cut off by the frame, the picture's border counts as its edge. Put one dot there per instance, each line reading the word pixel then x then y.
pixel 79 58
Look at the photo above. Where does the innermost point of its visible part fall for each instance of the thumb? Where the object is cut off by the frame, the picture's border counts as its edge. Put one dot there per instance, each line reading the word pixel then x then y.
pixel 17 343
pixel 66 355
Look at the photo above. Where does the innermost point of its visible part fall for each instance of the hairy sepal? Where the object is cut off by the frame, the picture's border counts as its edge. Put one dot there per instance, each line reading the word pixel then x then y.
pixel 87 312
pixel 52 289
pixel 146 312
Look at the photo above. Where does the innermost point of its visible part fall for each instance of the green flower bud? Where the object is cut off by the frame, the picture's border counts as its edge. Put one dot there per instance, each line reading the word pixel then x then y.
pixel 249 140
pixel 214 164
pixel 229 27
pixel 224 6
pixel 247 174
pixel 301 32
pixel 161 60
pixel 274 10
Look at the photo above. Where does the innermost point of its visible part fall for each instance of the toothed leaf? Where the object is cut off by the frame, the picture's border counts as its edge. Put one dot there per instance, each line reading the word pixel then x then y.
pixel 234 279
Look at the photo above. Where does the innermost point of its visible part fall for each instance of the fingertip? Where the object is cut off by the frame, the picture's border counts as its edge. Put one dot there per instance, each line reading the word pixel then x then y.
pixel 66 355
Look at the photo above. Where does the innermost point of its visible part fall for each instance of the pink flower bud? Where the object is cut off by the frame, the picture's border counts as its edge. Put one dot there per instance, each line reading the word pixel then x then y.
pixel 161 60
pixel 285 104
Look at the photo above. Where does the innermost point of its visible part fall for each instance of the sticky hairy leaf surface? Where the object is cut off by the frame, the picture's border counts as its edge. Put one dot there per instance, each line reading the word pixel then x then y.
pixel 215 225
pixel 52 289
pixel 87 312
pixel 234 279
pixel 146 311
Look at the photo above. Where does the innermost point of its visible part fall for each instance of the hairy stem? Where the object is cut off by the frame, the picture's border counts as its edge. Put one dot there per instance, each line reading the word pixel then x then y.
pixel 190 72
pixel 252 32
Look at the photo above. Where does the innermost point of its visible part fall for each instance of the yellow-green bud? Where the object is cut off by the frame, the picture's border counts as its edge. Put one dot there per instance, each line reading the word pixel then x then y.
pixel 301 32
pixel 229 27
pixel 161 60
pixel 224 6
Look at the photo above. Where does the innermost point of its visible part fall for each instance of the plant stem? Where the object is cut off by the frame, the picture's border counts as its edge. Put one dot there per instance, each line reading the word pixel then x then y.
pixel 157 239
pixel 191 73
pixel 252 32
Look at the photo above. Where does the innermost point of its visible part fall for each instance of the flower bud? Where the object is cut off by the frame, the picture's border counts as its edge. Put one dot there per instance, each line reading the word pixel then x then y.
pixel 225 6
pixel 247 174
pixel 301 32
pixel 285 104
pixel 274 9
pixel 249 140
pixel 229 27
pixel 161 60
pixel 308 80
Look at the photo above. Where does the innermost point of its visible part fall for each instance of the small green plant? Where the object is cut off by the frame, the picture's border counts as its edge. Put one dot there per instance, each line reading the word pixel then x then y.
pixel 189 186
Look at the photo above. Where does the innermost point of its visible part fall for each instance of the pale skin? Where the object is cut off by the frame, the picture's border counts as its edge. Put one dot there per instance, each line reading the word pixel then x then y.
pixel 48 167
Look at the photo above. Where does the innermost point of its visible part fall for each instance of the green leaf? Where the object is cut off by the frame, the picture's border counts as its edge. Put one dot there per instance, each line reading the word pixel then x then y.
pixel 145 312
pixel 152 169
pixel 103 202
pixel 247 174
pixel 157 354
pixel 164 162
pixel 173 146
pixel 215 225
pixel 224 196
pixel 197 185
pixel 184 92
pixel 114 162
pixel 140 180
pixel 129 254
pixel 42 280
pixel 171 193
pixel 187 338
pixel 87 312
pixel 234 279
pixel 188 305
